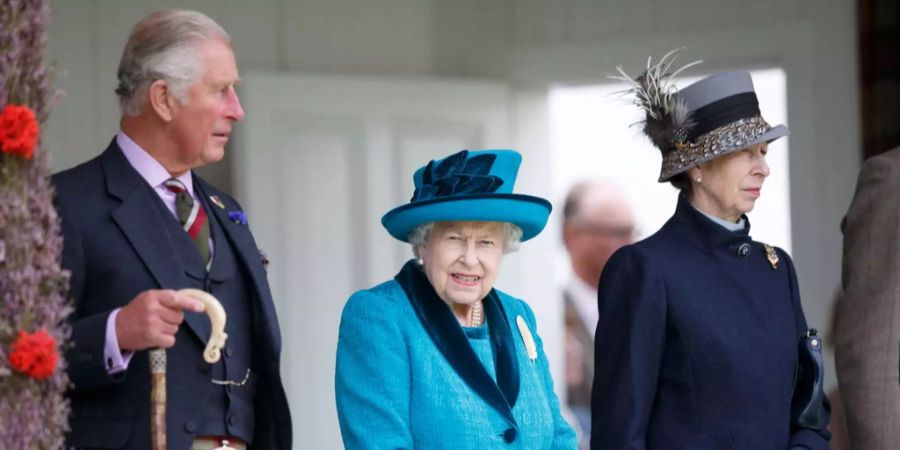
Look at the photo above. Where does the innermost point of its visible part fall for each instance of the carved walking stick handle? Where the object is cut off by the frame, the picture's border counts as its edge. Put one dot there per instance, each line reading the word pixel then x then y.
pixel 216 315
pixel 211 354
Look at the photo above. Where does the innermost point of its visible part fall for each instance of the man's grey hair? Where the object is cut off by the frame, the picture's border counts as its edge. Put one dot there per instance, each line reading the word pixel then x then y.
pixel 163 46
pixel 512 237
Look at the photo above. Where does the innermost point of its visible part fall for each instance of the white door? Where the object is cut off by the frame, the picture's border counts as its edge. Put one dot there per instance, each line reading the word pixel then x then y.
pixel 319 160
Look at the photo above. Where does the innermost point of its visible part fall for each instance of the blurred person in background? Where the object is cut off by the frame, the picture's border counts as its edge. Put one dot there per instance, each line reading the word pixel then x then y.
pixel 597 221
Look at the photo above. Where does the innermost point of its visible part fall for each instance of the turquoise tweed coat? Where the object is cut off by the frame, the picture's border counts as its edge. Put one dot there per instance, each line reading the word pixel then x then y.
pixel 409 376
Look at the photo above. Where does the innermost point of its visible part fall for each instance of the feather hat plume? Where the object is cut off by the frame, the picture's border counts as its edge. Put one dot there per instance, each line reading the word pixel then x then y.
pixel 667 121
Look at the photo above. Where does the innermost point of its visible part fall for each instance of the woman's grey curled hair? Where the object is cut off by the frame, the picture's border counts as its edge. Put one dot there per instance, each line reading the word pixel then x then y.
pixel 162 46
pixel 512 237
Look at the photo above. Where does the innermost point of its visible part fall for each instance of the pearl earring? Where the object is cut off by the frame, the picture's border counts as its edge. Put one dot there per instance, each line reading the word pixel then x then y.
pixel 699 180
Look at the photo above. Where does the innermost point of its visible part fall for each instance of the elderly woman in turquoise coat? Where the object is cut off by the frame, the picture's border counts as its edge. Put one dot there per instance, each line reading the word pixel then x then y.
pixel 436 357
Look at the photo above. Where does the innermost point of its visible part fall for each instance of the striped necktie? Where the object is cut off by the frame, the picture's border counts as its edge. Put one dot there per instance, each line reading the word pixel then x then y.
pixel 192 217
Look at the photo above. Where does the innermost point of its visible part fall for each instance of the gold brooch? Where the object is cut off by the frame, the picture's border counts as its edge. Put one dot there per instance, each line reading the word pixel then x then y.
pixel 216 201
pixel 530 347
pixel 772 256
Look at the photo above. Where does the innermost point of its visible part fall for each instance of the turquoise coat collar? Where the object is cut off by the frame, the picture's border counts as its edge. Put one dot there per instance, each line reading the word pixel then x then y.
pixel 448 336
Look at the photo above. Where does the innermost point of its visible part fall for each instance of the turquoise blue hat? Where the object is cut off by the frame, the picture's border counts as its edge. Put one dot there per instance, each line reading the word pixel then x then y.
pixel 469 186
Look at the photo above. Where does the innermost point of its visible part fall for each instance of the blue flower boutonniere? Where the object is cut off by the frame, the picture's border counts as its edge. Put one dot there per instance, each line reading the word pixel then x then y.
pixel 238 217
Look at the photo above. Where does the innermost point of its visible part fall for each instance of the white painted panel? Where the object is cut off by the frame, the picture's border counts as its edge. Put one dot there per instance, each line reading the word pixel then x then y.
pixel 534 259
pixel 315 175
pixel 304 204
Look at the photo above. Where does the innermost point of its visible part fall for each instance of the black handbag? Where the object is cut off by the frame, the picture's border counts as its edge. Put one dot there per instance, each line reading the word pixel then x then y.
pixel 809 406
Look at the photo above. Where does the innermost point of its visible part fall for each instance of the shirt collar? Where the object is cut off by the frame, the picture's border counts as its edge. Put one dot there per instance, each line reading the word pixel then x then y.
pixel 582 290
pixel 706 233
pixel 148 167
pixel 730 226
pixel 584 299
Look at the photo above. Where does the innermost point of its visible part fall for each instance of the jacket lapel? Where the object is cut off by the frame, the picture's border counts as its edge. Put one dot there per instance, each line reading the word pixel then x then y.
pixel 444 330
pixel 242 241
pixel 505 348
pixel 139 219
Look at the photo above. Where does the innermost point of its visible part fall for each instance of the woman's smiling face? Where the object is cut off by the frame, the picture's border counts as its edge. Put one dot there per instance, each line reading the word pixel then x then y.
pixel 462 259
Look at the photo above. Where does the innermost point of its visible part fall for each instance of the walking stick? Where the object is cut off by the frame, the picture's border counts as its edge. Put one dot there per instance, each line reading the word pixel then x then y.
pixel 158 365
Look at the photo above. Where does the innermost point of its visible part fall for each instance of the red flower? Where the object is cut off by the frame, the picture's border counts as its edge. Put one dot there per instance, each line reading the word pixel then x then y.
pixel 34 354
pixel 18 131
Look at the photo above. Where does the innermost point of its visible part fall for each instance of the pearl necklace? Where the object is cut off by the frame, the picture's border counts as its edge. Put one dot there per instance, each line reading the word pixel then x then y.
pixel 477 316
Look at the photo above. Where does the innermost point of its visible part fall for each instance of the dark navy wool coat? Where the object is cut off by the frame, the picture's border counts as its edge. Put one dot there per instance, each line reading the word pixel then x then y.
pixel 697 343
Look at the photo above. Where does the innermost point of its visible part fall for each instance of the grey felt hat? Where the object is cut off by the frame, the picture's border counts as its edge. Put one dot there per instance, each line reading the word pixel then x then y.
pixel 723 114
pixel 710 118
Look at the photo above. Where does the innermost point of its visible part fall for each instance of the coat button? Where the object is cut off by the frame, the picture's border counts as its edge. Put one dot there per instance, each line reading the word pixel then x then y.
pixel 232 419
pixel 744 250
pixel 228 352
pixel 190 426
pixel 509 435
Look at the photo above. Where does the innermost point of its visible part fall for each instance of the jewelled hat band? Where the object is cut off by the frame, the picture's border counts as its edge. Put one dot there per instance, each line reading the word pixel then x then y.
pixel 722 112
pixel 725 139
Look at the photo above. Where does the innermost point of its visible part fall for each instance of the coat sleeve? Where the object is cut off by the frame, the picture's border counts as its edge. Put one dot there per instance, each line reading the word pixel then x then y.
pixel 867 335
pixel 805 438
pixel 628 351
pixel 372 375
pixel 563 434
pixel 85 359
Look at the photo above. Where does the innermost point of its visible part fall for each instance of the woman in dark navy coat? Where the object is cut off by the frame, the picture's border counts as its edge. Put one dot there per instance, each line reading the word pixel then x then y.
pixel 697 340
